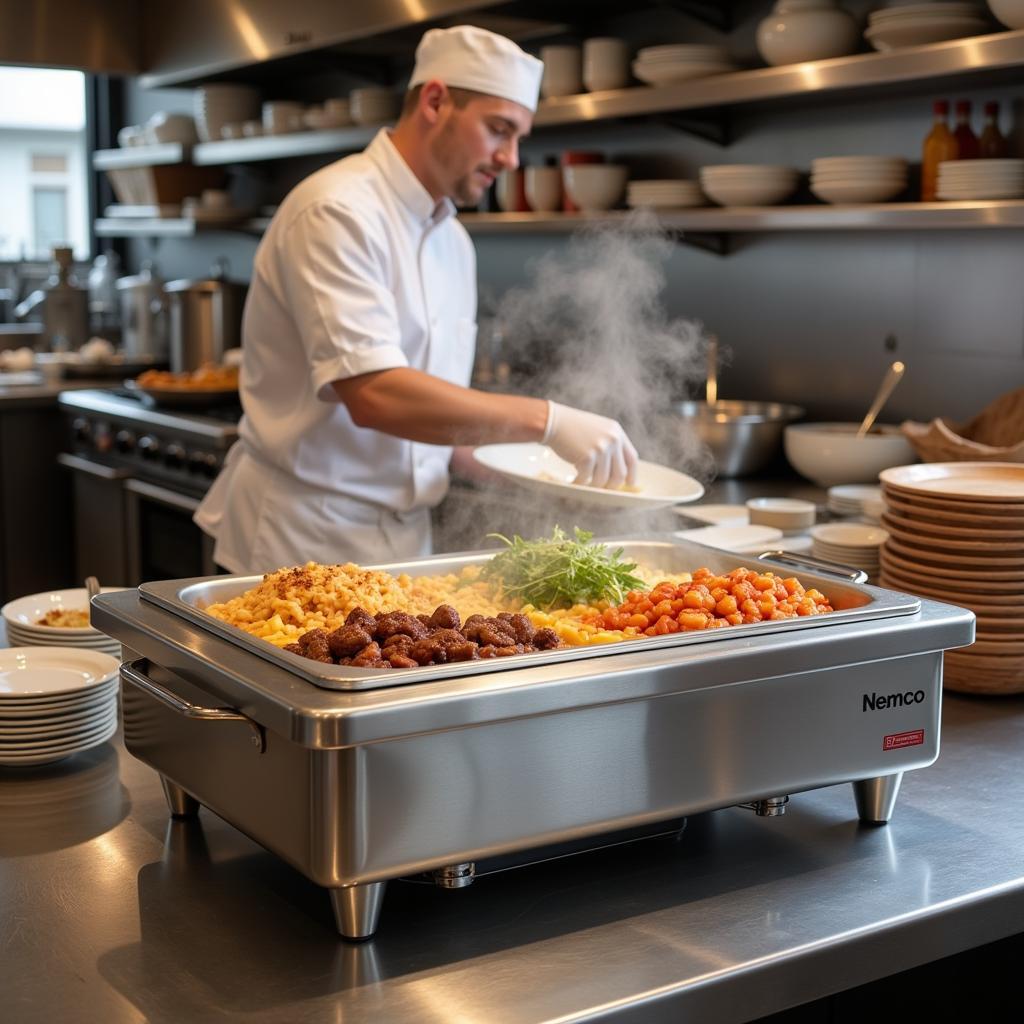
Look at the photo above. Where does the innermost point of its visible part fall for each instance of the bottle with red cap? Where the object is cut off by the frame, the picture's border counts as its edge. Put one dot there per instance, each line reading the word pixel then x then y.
pixel 992 143
pixel 939 145
pixel 966 140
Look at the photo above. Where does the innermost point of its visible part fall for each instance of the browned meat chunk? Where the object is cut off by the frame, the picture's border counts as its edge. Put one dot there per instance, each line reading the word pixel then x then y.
pixel 314 645
pixel 367 657
pixel 397 642
pixel 399 622
pixel 294 648
pixel 494 651
pixel 546 639
pixel 454 645
pixel 426 652
pixel 425 619
pixel 521 627
pixel 488 632
pixel 361 617
pixel 445 617
pixel 311 637
pixel 399 660
pixel 348 640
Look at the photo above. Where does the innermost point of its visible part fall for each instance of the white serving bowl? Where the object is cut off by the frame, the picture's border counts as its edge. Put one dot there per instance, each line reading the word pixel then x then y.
pixel 831 453
pixel 595 186
pixel 797 32
pixel 766 192
pixel 1009 12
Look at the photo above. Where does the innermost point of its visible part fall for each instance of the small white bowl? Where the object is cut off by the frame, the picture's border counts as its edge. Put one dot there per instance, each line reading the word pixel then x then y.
pixel 791 515
pixel 595 186
pixel 831 453
pixel 1009 12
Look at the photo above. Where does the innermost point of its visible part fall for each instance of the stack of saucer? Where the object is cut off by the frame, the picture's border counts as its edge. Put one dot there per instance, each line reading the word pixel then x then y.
pixel 23 620
pixel 917 24
pixel 861 501
pixel 54 702
pixel 374 105
pixel 666 194
pixel 856 545
pixel 858 179
pixel 957 535
pixel 679 62
pixel 981 179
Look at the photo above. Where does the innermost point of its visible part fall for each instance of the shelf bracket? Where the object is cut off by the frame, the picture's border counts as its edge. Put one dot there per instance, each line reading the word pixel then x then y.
pixel 710 129
pixel 715 242
pixel 716 14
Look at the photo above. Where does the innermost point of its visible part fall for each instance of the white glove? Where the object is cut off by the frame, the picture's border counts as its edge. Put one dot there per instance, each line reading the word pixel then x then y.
pixel 595 445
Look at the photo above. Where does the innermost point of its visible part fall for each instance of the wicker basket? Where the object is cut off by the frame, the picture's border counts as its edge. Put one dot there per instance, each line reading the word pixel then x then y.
pixel 996 434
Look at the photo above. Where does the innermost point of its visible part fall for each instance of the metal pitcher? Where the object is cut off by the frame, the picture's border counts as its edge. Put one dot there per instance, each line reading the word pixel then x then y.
pixel 205 320
pixel 143 316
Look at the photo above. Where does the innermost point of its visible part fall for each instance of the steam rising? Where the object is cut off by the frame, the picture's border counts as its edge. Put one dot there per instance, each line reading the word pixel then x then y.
pixel 596 306
pixel 592 331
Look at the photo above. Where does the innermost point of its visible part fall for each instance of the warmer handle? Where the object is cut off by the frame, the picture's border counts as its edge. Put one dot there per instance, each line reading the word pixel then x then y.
pixel 132 673
pixel 810 562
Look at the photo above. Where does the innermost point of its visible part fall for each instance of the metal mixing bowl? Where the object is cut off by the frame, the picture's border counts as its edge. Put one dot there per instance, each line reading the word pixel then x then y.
pixel 742 436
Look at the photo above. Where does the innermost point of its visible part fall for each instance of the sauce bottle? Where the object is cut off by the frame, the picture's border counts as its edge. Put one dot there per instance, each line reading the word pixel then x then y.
pixel 966 140
pixel 992 144
pixel 939 145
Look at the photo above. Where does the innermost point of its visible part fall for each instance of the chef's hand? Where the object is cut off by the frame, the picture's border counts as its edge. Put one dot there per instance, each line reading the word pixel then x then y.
pixel 597 446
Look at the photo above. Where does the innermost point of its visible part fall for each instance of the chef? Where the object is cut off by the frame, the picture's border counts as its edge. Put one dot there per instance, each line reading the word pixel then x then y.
pixel 359 332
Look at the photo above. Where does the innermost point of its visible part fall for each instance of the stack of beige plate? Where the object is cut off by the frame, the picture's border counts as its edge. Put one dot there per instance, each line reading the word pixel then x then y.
pixel 666 194
pixel 679 62
pixel 23 619
pixel 54 702
pixel 864 501
pixel 957 535
pixel 981 179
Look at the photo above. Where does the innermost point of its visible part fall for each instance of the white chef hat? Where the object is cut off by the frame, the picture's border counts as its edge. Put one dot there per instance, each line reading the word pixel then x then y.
pixel 467 57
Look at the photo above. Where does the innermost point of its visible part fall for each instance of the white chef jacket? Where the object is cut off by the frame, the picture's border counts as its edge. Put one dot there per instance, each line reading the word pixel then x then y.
pixel 360 270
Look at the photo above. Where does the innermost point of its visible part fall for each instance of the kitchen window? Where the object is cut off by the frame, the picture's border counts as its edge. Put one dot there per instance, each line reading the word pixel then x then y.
pixel 43 163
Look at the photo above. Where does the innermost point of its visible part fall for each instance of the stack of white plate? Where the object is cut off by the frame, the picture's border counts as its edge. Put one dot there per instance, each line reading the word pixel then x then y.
pixel 981 179
pixel 214 106
pixel 917 24
pixel 748 184
pixel 54 702
pixel 664 194
pixel 854 544
pixel 374 105
pixel 861 501
pixel 679 62
pixel 957 535
pixel 858 179
pixel 22 621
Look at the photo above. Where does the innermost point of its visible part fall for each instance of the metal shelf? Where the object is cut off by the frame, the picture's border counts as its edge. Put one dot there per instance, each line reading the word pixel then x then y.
pixel 279 147
pixel 864 217
pixel 146 227
pixel 956 58
pixel 140 156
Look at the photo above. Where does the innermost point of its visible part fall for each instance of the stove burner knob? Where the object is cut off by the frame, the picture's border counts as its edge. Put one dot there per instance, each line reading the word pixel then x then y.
pixel 103 438
pixel 81 428
pixel 174 456
pixel 203 463
pixel 149 446
pixel 124 441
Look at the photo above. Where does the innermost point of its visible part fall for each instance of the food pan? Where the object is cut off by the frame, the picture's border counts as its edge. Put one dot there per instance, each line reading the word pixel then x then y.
pixel 852 600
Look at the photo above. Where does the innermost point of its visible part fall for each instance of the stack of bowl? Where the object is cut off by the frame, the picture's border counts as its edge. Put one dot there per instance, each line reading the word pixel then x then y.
pixel 917 24
pixel 748 184
pixel 374 105
pixel 667 194
pixel 981 179
pixel 594 187
pixel 679 62
pixel 858 179
pixel 23 621
pixel 956 534
pixel 217 105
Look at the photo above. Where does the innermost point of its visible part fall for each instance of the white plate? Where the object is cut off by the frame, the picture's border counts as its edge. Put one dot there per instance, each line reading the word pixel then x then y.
pixel 53 707
pixel 39 671
pixel 849 535
pixel 58 754
pixel 27 610
pixel 742 539
pixel 31 744
pixel 536 466
pixel 720 515
pixel 37 726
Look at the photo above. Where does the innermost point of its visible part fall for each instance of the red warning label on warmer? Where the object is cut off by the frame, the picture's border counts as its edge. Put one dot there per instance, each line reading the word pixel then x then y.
pixel 903 739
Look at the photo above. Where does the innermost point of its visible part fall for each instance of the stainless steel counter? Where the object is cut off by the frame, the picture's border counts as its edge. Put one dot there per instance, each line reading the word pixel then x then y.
pixel 111 912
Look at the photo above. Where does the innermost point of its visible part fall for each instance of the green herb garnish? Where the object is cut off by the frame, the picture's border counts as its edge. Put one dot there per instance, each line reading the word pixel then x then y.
pixel 561 571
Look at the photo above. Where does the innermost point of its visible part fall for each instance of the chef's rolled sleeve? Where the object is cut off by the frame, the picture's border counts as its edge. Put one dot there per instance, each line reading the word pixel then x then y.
pixel 334 276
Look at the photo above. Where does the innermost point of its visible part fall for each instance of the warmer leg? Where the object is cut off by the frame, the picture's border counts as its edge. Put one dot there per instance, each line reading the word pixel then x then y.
pixel 876 798
pixel 180 803
pixel 357 909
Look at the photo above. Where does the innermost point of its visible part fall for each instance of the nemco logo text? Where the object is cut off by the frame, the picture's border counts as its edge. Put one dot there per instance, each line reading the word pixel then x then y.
pixel 879 702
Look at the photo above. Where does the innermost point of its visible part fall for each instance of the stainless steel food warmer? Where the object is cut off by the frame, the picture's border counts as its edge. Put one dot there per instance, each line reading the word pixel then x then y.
pixel 358 776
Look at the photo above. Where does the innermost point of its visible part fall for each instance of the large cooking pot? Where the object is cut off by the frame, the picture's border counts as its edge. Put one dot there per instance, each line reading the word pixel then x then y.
pixel 143 316
pixel 205 320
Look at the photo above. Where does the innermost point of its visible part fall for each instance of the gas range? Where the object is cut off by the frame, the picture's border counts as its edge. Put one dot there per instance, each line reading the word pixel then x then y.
pixel 178 448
